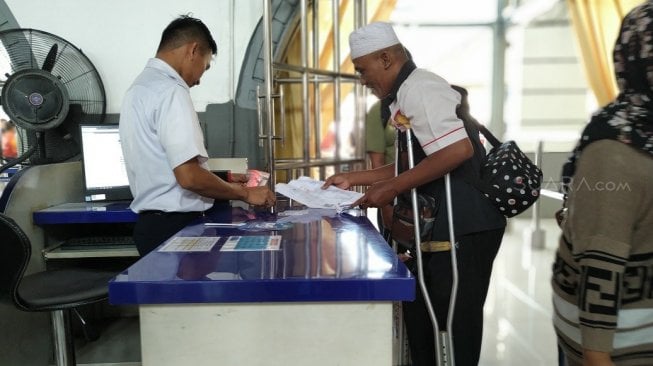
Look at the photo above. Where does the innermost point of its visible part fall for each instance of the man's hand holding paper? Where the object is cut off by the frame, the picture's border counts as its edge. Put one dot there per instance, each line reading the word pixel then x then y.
pixel 378 195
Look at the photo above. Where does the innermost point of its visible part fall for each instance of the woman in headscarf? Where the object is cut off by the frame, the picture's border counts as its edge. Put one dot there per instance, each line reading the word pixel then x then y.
pixel 603 273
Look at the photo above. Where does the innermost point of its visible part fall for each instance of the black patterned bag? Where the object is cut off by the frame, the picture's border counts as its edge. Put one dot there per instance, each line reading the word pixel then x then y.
pixel 509 178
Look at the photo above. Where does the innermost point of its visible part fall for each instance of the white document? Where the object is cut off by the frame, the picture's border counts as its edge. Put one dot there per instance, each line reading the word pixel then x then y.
pixel 309 192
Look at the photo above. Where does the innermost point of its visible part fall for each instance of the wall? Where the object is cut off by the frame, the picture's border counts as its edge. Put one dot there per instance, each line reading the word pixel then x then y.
pixel 118 36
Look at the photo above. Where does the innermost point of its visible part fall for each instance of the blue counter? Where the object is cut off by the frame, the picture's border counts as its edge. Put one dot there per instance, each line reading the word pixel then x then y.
pixel 323 257
pixel 85 212
pixel 326 297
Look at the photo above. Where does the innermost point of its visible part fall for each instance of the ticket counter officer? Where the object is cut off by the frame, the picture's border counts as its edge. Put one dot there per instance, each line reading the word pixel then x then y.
pixel 163 143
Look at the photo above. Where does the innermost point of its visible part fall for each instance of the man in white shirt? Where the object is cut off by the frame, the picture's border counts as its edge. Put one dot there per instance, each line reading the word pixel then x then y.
pixel 426 103
pixel 163 143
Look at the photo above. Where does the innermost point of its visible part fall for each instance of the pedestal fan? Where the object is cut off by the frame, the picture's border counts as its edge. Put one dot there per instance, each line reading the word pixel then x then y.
pixel 48 88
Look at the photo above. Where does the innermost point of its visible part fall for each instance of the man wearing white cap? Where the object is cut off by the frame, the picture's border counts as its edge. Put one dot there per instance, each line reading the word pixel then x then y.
pixel 426 103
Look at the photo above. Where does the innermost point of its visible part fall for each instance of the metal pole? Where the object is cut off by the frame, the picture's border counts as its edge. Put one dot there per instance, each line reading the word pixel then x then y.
pixel 537 235
pixel 307 253
pixel 536 209
pixel 306 123
pixel 402 357
pixel 318 250
pixel 418 251
pixel 360 106
pixel 269 112
pixel 497 123
pixel 316 86
pixel 64 347
pixel 448 345
pixel 336 69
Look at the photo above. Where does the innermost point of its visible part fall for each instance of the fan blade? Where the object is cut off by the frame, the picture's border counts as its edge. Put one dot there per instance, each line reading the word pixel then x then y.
pixel 48 64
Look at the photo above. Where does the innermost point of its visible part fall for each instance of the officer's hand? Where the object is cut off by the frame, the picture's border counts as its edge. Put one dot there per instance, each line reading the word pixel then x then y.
pixel 260 196
pixel 238 178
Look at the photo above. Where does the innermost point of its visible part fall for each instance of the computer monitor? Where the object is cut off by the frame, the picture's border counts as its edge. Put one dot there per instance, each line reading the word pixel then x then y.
pixel 104 171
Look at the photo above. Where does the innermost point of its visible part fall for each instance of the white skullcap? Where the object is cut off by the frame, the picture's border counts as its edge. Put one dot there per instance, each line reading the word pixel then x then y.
pixel 370 38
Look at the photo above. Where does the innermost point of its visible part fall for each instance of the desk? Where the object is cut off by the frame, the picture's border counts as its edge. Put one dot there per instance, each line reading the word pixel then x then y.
pixel 325 298
pixel 85 212
pixel 93 218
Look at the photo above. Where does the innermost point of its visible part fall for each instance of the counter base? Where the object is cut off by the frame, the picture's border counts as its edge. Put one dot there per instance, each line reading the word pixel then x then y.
pixel 315 334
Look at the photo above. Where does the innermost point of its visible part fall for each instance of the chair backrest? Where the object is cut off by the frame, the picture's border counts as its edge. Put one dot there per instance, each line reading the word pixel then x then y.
pixel 15 252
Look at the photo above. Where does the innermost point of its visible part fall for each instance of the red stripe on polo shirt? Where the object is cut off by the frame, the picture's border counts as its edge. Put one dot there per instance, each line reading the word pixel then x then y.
pixel 441 137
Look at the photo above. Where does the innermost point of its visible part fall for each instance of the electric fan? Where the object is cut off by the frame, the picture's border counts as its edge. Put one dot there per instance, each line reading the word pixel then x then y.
pixel 48 88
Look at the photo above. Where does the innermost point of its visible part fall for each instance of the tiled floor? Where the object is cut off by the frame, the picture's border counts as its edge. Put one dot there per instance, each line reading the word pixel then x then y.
pixel 518 328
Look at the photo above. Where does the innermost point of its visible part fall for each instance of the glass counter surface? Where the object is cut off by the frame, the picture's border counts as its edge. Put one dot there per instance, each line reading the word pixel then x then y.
pixel 323 256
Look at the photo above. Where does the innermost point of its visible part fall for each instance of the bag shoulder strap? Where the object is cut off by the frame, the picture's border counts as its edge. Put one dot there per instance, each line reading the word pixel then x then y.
pixel 495 142
pixel 473 127
pixel 462 112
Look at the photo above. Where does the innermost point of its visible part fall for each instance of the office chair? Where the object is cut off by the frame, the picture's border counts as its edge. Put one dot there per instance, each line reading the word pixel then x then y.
pixel 58 292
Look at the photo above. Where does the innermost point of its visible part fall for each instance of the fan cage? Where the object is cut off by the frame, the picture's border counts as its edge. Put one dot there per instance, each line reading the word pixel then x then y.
pixel 25 49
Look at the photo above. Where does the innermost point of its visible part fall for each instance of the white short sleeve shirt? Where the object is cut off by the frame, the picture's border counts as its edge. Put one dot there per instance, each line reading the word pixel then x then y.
pixel 428 103
pixel 160 130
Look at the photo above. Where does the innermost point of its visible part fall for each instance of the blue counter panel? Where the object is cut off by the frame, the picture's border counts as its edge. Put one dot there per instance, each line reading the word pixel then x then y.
pixel 85 213
pixel 324 256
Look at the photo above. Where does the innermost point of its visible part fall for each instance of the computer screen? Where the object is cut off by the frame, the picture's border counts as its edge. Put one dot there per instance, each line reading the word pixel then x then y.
pixel 105 175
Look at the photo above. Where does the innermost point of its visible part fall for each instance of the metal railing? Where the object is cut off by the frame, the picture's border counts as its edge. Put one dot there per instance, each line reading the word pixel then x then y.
pixel 537 234
pixel 271 92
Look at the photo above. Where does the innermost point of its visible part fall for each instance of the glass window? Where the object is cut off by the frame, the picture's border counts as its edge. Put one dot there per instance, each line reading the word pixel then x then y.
pixel 444 12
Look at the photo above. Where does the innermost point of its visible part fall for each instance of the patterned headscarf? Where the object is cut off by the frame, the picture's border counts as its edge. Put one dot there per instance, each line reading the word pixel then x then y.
pixel 629 118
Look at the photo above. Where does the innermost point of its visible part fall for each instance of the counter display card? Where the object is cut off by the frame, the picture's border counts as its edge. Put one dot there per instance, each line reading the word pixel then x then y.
pixel 190 244
pixel 252 243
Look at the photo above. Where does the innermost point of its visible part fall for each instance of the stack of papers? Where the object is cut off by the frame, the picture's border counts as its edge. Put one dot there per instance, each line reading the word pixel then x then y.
pixel 309 192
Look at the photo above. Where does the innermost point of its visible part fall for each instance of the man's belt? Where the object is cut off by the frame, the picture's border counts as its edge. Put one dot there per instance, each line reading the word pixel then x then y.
pixel 435 246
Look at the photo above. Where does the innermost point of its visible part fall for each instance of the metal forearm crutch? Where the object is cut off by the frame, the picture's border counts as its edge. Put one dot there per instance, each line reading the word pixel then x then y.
pixel 443 340
pixel 400 326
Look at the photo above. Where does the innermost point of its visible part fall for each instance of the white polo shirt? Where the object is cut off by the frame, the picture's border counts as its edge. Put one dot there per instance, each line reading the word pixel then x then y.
pixel 428 103
pixel 159 130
